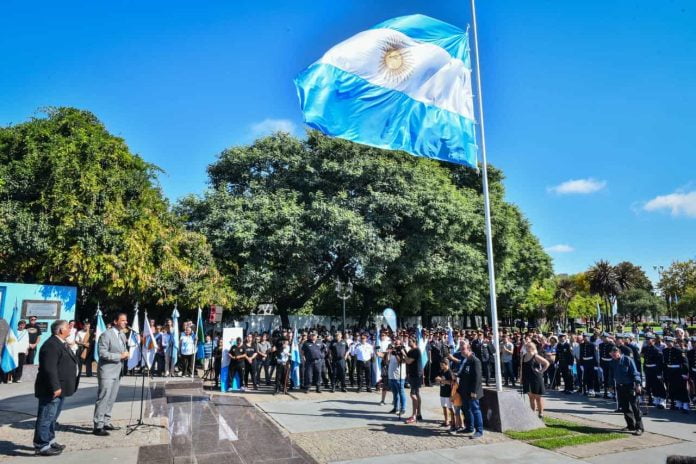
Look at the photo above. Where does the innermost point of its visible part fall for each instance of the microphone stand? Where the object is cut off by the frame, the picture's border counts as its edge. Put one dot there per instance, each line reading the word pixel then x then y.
pixel 140 422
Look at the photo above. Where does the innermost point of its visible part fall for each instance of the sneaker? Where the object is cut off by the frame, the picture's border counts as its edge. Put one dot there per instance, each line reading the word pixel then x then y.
pixel 17 381
pixel 57 446
pixel 476 436
pixel 393 411
pixel 452 431
pixel 49 451
pixel 638 432
pixel 402 412
pixel 464 431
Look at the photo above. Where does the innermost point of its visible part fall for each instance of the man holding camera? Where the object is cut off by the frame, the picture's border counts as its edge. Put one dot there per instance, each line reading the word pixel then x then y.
pixel 397 376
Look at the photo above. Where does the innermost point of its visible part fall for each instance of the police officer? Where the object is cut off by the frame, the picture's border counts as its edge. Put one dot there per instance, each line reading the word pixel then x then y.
pixel 588 362
pixel 676 375
pixel 605 363
pixel 312 357
pixel 564 355
pixel 628 389
pixel 338 352
pixel 326 371
pixel 654 384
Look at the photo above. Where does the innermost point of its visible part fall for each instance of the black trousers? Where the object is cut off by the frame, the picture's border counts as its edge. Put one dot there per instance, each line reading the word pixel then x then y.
pixel 87 362
pixel 608 382
pixel 280 378
pixel 364 369
pixel 250 371
pixel 351 369
pixel 187 364
pixel 339 374
pixel 21 357
pixel 236 368
pixel 588 376
pixel 564 371
pixel 30 355
pixel 486 371
pixel 313 373
pixel 628 403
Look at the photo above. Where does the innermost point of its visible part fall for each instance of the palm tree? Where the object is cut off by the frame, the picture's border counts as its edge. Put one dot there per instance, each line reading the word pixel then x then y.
pixel 604 282
pixel 565 291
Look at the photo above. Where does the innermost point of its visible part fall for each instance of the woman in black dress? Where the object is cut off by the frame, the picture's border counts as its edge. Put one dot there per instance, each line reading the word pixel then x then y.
pixel 533 367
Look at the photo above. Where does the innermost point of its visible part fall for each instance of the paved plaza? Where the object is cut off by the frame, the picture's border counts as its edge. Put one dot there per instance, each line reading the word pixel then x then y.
pixel 188 423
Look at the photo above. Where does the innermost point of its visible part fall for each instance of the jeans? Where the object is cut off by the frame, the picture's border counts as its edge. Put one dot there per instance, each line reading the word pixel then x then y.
pixel 508 373
pixel 45 429
pixel 397 388
pixel 472 413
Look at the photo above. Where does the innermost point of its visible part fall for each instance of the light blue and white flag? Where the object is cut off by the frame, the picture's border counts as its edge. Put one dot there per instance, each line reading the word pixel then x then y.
pixel 175 336
pixel 390 316
pixel 614 307
pixel 149 347
pixel 100 329
pixel 599 313
pixel 422 344
pixel 404 85
pixel 10 357
pixel 450 338
pixel 296 360
pixel 134 348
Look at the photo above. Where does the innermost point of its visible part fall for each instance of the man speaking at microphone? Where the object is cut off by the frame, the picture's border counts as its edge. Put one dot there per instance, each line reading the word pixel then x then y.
pixel 113 350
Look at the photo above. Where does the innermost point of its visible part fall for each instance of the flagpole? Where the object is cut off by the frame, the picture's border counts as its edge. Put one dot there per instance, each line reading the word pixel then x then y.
pixel 487 208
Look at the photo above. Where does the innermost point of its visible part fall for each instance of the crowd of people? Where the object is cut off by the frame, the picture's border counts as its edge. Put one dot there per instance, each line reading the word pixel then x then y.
pixel 657 369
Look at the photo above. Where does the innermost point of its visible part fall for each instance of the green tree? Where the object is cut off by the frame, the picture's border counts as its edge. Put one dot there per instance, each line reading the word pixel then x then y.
pixel 78 208
pixel 638 302
pixel 630 276
pixel 565 291
pixel 604 282
pixel 287 217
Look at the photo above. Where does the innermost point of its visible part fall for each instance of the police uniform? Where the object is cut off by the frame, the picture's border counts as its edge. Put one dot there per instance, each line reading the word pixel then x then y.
pixel 338 350
pixel 311 351
pixel 605 364
pixel 564 356
pixel 676 374
pixel 588 362
pixel 654 367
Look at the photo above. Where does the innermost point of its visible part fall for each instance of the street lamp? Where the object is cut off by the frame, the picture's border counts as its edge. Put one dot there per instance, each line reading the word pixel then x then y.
pixel 660 270
pixel 343 291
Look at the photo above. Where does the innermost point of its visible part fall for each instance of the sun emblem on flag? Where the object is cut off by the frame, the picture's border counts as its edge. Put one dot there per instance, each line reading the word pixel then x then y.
pixel 396 63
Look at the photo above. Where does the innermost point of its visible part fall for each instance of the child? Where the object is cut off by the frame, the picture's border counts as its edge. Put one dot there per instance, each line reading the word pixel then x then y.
pixel 445 381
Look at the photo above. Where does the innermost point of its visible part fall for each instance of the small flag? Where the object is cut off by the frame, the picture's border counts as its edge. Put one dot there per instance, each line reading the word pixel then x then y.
pixel 134 351
pixel 149 343
pixel 599 313
pixel 404 85
pixel 450 338
pixel 10 358
pixel 175 335
pixel 100 329
pixel 200 336
pixel 614 307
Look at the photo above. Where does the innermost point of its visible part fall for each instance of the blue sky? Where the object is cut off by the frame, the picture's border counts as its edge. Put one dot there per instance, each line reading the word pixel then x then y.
pixel 595 92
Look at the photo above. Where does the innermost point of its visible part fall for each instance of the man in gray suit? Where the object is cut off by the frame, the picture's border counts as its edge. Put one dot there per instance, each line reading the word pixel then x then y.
pixel 113 349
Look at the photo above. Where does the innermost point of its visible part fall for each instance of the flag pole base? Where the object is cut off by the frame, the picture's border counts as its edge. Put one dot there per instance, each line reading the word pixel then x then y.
pixel 506 410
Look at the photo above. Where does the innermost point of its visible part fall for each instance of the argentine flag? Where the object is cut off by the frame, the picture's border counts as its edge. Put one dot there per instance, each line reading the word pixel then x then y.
pixel 296 360
pixel 10 358
pixel 404 85
pixel 100 329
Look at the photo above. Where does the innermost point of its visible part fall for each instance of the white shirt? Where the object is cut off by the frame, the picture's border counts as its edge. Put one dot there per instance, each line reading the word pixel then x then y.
pixel 22 341
pixel 70 340
pixel 396 371
pixel 364 351
pixel 120 341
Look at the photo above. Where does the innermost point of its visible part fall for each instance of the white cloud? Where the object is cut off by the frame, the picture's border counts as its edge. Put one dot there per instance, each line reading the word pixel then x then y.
pixel 579 186
pixel 678 203
pixel 269 126
pixel 560 248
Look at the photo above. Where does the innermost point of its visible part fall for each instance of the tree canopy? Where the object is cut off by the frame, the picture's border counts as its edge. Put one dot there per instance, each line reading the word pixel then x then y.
pixel 286 217
pixel 78 208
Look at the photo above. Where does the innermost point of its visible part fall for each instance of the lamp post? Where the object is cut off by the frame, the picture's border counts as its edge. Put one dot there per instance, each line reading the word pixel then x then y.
pixel 344 291
pixel 660 270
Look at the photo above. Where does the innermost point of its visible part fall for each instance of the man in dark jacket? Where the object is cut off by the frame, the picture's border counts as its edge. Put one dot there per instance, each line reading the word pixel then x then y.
pixel 55 381
pixel 471 390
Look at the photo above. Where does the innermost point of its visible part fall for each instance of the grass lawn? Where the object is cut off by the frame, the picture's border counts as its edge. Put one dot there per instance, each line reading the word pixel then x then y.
pixel 559 433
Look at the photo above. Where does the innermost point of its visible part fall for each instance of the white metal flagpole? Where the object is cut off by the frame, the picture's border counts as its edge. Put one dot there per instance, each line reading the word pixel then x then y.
pixel 487 207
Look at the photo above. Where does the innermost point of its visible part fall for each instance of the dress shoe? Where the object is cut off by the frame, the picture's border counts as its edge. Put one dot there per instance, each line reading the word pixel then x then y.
pixel 112 427
pixel 100 432
pixel 50 451
pixel 57 446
